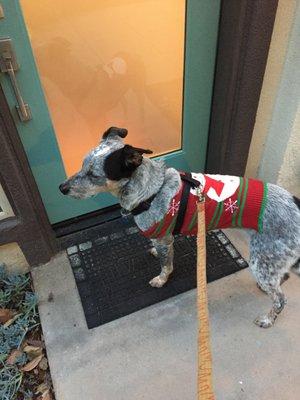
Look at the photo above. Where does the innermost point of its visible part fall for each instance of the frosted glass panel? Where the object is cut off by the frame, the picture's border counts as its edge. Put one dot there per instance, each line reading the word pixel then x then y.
pixel 110 62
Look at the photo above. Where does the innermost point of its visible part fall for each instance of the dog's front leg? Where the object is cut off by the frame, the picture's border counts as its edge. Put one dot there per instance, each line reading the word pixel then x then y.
pixel 164 251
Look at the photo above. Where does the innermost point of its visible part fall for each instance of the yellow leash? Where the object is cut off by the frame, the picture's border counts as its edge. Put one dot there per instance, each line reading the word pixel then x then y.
pixel 205 389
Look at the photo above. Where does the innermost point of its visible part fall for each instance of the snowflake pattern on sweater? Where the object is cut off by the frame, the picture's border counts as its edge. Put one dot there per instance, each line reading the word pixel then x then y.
pixel 231 201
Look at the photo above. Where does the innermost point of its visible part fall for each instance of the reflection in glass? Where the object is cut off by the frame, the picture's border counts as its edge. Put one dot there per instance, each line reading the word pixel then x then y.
pixel 103 63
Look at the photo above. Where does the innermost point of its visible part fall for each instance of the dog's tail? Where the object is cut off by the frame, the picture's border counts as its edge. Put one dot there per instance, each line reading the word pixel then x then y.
pixel 297 201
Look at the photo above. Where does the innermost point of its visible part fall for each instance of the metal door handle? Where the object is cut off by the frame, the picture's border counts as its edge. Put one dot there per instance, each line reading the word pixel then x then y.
pixel 8 64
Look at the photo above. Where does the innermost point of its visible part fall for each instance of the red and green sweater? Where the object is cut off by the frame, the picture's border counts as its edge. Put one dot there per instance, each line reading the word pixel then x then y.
pixel 230 202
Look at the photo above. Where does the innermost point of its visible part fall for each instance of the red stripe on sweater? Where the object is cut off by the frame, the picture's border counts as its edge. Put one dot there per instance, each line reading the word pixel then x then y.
pixel 253 204
pixel 168 218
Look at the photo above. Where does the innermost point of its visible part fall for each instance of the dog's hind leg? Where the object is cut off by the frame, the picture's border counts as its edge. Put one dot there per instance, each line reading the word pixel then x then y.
pixel 272 255
pixel 279 301
pixel 165 253
pixel 269 276
pixel 285 277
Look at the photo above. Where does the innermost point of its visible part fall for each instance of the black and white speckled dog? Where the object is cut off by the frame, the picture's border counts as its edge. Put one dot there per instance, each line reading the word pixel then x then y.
pixel 121 170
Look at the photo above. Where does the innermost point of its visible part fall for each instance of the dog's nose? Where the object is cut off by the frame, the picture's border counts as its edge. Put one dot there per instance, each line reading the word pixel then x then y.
pixel 64 188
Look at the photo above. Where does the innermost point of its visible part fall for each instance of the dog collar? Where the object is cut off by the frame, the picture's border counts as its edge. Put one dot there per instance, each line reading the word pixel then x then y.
pixel 143 206
pixel 146 204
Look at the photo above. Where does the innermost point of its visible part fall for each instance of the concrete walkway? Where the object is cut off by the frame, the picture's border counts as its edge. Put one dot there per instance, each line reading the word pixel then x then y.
pixel 151 354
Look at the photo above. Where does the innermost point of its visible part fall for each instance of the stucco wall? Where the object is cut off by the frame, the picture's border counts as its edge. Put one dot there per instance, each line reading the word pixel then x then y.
pixel 10 254
pixel 289 174
pixel 276 139
pixel 13 258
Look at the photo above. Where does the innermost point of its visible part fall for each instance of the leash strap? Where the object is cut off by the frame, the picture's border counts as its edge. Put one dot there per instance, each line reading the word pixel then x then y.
pixel 205 388
pixel 188 182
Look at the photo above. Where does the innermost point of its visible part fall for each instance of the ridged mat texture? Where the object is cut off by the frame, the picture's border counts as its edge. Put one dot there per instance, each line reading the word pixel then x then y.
pixel 112 267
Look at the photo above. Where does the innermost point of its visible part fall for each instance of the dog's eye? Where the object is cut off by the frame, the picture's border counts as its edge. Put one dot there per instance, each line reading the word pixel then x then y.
pixel 91 174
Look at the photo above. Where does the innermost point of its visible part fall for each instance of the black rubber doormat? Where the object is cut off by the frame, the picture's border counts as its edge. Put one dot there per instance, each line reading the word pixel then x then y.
pixel 112 268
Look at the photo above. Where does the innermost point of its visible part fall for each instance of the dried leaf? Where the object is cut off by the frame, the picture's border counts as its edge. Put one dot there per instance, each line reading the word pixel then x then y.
pixel 32 364
pixel 33 351
pixel 5 315
pixel 13 356
pixel 36 343
pixel 42 388
pixel 43 364
pixel 47 396
pixel 12 320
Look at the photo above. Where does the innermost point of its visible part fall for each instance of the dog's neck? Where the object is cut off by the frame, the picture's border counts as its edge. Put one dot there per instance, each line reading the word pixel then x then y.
pixel 151 177
pixel 145 182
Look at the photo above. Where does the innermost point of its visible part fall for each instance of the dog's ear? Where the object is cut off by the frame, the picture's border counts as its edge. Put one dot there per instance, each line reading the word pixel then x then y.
pixel 115 132
pixel 123 162
pixel 133 156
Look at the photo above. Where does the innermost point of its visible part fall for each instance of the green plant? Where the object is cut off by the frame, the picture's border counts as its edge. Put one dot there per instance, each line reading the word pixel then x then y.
pixel 10 381
pixel 15 294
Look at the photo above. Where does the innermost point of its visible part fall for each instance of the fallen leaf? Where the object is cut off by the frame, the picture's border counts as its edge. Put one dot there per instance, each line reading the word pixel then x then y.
pixel 32 364
pixel 13 356
pixel 42 388
pixel 47 396
pixel 33 351
pixel 43 364
pixel 36 343
pixel 12 320
pixel 5 315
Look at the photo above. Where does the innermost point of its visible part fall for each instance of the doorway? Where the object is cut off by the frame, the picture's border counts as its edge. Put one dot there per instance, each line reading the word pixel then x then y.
pixel 145 65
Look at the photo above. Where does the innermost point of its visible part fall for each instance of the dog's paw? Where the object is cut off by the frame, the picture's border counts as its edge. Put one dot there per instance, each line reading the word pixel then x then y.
pixel 157 282
pixel 153 252
pixel 264 321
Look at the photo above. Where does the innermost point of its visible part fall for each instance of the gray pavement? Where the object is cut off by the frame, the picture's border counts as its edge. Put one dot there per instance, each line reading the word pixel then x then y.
pixel 151 354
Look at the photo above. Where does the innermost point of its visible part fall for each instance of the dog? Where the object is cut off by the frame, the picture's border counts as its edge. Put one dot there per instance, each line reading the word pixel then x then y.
pixel 148 188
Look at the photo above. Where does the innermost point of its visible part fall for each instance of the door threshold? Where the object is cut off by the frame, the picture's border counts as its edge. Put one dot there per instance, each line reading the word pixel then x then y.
pixel 86 221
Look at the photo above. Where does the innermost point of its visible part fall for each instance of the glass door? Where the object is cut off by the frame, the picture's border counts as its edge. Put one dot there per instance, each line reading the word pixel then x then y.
pixel 146 65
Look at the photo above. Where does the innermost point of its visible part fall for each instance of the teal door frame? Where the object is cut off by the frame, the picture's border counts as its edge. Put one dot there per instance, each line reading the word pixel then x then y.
pixel 38 136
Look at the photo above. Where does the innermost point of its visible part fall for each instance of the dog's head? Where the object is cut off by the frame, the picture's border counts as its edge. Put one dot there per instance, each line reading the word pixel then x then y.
pixel 105 166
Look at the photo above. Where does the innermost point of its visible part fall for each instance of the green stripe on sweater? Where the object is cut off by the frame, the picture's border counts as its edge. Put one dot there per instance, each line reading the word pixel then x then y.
pixel 219 215
pixel 171 226
pixel 243 203
pixel 238 202
pixel 158 229
pixel 211 222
